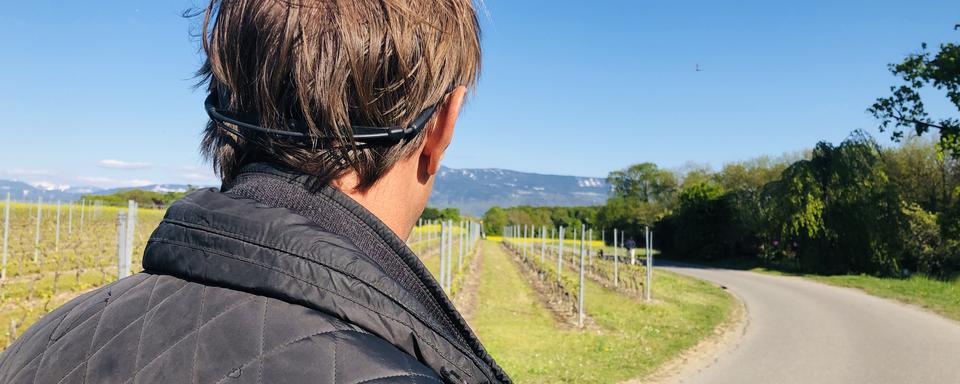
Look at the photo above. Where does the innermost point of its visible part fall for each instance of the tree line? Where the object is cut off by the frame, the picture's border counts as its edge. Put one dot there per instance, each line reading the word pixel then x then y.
pixel 442 214
pixel 849 208
pixel 144 199
pixel 855 207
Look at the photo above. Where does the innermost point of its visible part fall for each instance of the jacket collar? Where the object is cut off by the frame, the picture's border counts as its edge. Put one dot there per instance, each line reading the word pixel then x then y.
pixel 338 214
pixel 270 235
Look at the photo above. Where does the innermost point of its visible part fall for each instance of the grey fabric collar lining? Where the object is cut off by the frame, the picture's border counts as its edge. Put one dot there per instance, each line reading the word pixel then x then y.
pixel 336 213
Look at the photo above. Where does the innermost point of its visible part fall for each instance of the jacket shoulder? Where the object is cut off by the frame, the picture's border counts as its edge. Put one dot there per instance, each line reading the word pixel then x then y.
pixel 343 356
pixel 65 326
pixel 158 328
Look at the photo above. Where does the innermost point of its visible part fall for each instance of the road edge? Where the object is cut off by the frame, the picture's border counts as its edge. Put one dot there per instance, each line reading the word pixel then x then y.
pixel 725 337
pixel 903 303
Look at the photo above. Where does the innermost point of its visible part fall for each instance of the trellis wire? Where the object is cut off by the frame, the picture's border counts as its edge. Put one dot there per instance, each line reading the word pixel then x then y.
pixel 36 242
pixel 122 271
pixel 648 286
pixel 580 298
pixel 6 237
pixel 616 260
pixel 443 259
pixel 560 253
pixel 56 241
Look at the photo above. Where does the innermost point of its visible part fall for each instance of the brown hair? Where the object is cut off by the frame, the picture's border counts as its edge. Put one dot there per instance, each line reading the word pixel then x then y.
pixel 331 64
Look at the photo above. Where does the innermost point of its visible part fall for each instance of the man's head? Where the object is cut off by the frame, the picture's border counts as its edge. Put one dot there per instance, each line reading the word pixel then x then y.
pixel 331 65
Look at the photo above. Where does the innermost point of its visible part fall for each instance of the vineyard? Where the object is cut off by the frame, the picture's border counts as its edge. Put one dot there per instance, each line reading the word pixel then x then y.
pixel 529 305
pixel 55 253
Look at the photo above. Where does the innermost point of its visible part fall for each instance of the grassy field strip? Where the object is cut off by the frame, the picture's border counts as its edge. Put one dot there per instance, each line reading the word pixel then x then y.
pixel 941 296
pixel 938 296
pixel 636 339
pixel 468 284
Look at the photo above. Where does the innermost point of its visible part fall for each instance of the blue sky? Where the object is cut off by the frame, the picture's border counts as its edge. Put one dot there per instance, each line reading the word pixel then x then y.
pixel 100 92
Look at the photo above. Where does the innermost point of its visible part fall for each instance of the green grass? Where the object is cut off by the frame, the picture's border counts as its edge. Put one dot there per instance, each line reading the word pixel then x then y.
pixel 634 339
pixel 939 296
pixel 942 297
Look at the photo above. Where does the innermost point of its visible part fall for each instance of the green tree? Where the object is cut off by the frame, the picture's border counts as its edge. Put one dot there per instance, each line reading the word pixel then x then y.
pixel 696 175
pixel 450 214
pixel 837 212
pixel 923 173
pixel 703 224
pixel 494 220
pixel 925 249
pixel 751 175
pixel 644 182
pixel 642 194
pixel 904 109
pixel 430 214
pixel 144 199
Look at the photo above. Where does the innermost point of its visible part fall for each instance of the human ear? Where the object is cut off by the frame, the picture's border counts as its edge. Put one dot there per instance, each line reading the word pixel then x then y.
pixel 441 131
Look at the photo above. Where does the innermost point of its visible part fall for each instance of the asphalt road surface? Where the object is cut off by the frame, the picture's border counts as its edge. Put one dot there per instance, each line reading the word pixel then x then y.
pixel 799 331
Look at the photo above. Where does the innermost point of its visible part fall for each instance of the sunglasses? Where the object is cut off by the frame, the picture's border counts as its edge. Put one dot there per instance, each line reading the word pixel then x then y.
pixel 299 130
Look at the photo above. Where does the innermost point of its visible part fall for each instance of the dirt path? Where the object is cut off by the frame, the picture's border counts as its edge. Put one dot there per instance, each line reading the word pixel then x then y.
pixel 466 298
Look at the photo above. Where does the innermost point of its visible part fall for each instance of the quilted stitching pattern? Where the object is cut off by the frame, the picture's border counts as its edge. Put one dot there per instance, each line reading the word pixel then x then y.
pixel 162 329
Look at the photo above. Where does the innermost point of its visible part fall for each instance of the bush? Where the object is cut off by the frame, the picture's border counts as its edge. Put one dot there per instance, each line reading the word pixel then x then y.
pixel 704 223
pixel 923 250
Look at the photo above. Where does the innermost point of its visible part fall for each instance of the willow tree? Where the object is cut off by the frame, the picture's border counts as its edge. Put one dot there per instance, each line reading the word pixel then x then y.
pixel 838 212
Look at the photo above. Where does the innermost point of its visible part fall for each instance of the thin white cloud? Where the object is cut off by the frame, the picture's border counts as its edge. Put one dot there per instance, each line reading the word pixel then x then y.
pixel 120 164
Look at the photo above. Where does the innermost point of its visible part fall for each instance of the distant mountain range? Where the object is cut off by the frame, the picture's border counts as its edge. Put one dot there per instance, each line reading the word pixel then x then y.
pixel 26 192
pixel 476 190
pixel 472 190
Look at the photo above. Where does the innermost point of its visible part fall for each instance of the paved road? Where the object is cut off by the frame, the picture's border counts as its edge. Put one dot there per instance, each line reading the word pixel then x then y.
pixel 799 331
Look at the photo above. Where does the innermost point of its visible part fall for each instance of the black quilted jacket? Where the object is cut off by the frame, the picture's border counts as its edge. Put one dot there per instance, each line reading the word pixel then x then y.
pixel 264 283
